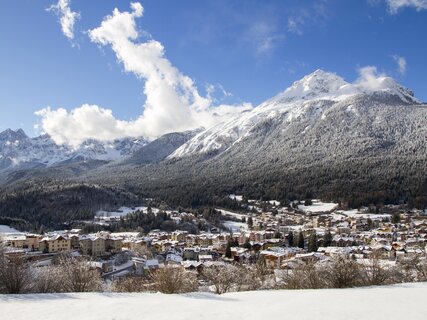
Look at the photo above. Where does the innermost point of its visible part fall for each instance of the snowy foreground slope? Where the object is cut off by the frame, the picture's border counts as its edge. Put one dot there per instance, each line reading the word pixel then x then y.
pixel 405 301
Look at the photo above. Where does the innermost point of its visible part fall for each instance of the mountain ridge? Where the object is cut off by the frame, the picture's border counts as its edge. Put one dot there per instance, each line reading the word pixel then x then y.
pixel 318 88
pixel 358 146
pixel 17 150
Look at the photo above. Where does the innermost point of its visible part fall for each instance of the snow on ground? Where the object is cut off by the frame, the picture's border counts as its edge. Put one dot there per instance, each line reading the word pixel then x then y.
pixel 125 265
pixel 405 301
pixel 123 211
pixel 125 234
pixel 236 197
pixel 6 229
pixel 356 213
pixel 235 226
pixel 274 203
pixel 318 206
pixel 231 214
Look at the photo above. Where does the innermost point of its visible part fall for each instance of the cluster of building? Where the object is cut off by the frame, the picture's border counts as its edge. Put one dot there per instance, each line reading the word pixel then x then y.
pixel 263 231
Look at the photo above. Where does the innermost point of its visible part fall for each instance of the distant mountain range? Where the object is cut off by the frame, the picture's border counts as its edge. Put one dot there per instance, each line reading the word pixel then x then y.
pixel 18 151
pixel 322 136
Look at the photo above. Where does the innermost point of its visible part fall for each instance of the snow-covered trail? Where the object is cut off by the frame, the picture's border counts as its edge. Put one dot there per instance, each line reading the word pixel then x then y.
pixel 405 301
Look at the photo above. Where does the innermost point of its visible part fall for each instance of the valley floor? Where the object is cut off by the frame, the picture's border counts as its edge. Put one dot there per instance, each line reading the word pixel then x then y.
pixel 404 301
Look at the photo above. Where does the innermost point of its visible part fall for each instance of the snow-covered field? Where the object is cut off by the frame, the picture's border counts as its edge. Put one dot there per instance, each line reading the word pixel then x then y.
pixel 7 229
pixel 236 197
pixel 356 213
pixel 123 211
pixel 231 214
pixel 318 206
pixel 235 226
pixel 405 301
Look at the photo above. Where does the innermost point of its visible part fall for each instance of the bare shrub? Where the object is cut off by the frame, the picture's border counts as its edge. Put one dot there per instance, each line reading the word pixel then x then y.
pixel 14 274
pixel 375 272
pixel 294 279
pixel 261 271
pixel 47 279
pixel 307 275
pixel 133 284
pixel 223 278
pixel 77 275
pixel 413 269
pixel 420 269
pixel 343 273
pixel 246 279
pixel 174 280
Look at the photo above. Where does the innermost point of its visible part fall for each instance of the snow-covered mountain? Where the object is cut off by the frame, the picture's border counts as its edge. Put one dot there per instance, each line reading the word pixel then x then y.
pixel 18 151
pixel 160 148
pixel 321 136
pixel 313 97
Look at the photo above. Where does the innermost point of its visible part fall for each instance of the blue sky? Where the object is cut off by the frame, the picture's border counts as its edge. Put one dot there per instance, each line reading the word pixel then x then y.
pixel 250 49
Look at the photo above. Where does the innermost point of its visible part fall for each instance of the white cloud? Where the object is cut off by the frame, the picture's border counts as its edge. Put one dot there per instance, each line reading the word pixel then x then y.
pixel 87 121
pixel 370 79
pixel 295 25
pixel 401 64
pixel 67 17
pixel 216 92
pixel 173 102
pixel 314 15
pixel 264 37
pixel 395 5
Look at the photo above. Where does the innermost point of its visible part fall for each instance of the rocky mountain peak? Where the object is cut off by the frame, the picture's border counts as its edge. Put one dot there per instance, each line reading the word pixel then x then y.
pixel 12 135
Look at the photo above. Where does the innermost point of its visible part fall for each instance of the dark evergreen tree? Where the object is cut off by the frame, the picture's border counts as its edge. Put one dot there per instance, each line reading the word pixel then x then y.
pixel 291 239
pixel 247 245
pixel 301 243
pixel 228 250
pixel 370 224
pixel 308 202
pixel 312 242
pixel 327 239
pixel 395 218
pixel 250 222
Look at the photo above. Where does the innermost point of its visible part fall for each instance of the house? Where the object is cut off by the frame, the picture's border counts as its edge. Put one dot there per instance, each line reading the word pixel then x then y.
pixel 85 244
pixel 142 266
pixel 113 244
pixel 205 258
pixel 179 236
pixel 98 246
pixel 16 241
pixel 74 241
pixel 102 266
pixel 138 244
pixel 273 259
pixel 173 258
pixel 220 241
pixel 191 254
pixel 55 243
pixel 92 245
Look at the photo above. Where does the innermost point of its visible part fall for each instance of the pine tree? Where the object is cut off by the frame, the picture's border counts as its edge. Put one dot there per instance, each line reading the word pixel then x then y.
pixel 370 224
pixel 301 240
pixel 312 242
pixel 291 239
pixel 308 202
pixel 327 239
pixel 228 250
pixel 250 222
pixel 247 245
pixel 395 218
